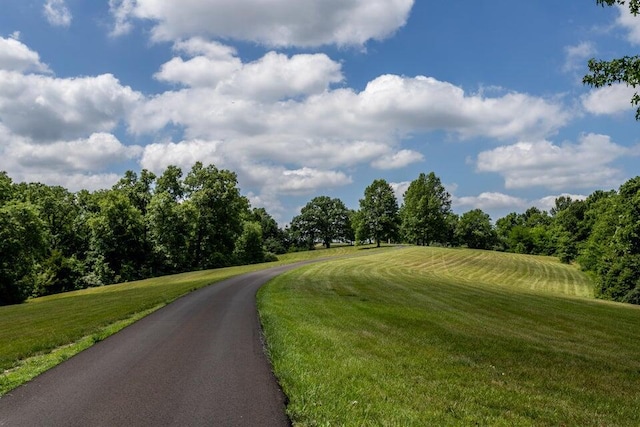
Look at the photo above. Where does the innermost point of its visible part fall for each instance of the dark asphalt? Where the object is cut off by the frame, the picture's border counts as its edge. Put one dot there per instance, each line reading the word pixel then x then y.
pixel 197 361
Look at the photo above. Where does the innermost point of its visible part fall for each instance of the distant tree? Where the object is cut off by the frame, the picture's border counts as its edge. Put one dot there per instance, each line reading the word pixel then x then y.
pixel 22 246
pixel 425 211
pixel 6 188
pixel 249 248
pixel 621 70
pixel 323 218
pixel 274 239
pixel 379 218
pixel 475 230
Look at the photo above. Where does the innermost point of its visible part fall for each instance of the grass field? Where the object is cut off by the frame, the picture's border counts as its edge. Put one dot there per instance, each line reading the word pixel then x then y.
pixel 429 336
pixel 43 332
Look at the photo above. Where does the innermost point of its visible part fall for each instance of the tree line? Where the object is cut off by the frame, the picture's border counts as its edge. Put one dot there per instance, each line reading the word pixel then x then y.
pixel 600 233
pixel 53 240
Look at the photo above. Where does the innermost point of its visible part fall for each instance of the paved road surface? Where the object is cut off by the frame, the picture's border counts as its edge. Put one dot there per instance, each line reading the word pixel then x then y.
pixel 197 361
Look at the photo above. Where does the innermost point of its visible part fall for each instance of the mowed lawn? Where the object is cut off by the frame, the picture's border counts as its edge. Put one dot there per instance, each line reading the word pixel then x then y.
pixel 432 336
pixel 45 331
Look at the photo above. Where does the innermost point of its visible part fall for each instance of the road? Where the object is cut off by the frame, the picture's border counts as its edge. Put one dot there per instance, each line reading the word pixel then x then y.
pixel 197 361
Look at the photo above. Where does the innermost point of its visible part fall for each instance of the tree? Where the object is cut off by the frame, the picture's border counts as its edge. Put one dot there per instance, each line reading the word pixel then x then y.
pixel 249 248
pixel 220 212
pixel 118 247
pixel 22 247
pixel 379 218
pixel 273 237
pixel 325 219
pixel 474 229
pixel 170 229
pixel 424 213
pixel 620 70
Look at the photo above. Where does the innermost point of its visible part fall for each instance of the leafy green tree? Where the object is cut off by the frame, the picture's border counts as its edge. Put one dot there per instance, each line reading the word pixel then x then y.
pixel 274 239
pixel 171 227
pixel 220 211
pixel 6 188
pixel 138 190
pixel 475 230
pixel 171 182
pixel 613 249
pixel 425 211
pixel 22 246
pixel 325 219
pixel 118 249
pixel 249 248
pixel 379 218
pixel 620 70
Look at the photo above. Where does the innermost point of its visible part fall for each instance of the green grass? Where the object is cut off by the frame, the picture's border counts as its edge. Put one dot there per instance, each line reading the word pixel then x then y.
pixel 429 336
pixel 42 332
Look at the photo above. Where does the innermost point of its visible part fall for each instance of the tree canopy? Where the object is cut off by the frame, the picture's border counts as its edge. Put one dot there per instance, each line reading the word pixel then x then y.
pixel 379 218
pixel 619 70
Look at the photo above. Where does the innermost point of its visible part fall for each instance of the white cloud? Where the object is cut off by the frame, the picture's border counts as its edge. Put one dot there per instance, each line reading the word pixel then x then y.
pixel 398 160
pixel 95 153
pixel 630 23
pixel 156 157
pixel 77 164
pixel 45 108
pixel 275 23
pixel 16 56
pixel 121 10
pixel 577 56
pixel 612 99
pixel 541 163
pixel 57 13
pixel 488 201
pixel 306 180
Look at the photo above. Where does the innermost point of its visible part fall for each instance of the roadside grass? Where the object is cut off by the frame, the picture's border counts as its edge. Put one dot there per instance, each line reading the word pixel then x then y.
pixel 43 332
pixel 431 336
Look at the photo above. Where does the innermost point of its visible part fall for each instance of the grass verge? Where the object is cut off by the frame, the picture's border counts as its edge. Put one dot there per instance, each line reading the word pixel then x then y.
pixel 43 332
pixel 429 336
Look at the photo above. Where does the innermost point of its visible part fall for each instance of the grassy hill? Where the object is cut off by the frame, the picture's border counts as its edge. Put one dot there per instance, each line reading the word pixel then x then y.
pixel 431 336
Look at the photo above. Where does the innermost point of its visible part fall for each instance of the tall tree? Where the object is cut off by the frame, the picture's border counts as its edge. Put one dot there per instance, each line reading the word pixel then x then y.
pixel 424 213
pixel 325 219
pixel 620 70
pixel 119 251
pixel 379 218
pixel 220 212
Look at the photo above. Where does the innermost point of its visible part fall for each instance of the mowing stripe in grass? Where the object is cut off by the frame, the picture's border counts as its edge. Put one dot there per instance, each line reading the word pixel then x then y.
pixel 430 336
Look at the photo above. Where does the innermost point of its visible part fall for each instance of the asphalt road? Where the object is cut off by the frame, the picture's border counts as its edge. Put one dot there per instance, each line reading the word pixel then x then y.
pixel 197 361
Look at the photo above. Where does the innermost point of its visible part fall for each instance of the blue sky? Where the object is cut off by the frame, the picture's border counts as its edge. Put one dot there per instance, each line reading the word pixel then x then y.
pixel 320 97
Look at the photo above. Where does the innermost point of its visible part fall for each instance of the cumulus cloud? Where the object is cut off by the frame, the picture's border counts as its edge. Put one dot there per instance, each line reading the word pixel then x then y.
pixel 584 164
pixel 57 13
pixel 45 108
pixel 612 99
pixel 16 56
pixel 95 153
pixel 77 164
pixel 398 160
pixel 488 201
pixel 274 23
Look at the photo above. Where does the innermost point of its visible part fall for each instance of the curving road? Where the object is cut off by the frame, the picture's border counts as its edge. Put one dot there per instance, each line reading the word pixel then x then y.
pixel 197 361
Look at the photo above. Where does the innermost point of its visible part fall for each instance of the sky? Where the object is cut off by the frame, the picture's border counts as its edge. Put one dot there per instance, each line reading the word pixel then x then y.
pixel 303 98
